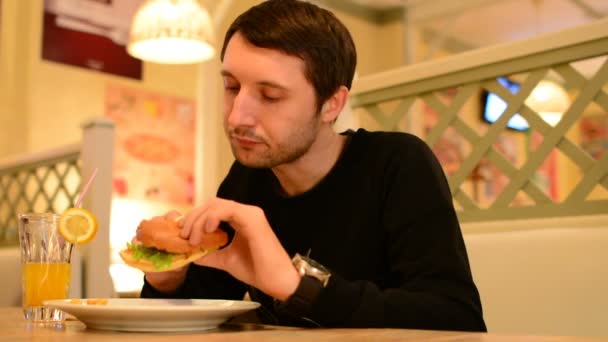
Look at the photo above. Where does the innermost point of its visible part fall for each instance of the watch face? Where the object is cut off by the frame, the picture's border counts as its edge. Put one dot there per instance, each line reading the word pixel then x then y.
pixel 307 266
pixel 314 264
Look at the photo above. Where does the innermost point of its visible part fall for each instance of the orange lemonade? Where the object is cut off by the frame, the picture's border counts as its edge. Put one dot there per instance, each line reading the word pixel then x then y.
pixel 44 281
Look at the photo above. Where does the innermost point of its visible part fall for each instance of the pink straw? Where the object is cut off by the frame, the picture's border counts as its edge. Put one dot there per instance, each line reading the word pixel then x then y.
pixel 86 188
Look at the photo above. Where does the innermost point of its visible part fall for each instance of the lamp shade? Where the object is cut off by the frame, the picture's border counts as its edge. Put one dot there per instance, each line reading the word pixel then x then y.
pixel 171 32
pixel 549 100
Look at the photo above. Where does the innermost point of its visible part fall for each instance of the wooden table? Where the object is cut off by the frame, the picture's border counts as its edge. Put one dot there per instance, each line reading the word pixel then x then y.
pixel 14 328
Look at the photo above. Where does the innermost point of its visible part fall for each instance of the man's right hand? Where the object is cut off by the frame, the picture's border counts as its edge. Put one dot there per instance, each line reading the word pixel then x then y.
pixel 168 281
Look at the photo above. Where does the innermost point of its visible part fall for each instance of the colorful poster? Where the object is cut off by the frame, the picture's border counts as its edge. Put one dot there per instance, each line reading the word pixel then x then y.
pixel 90 34
pixel 594 134
pixel 450 148
pixel 546 174
pixel 488 180
pixel 154 153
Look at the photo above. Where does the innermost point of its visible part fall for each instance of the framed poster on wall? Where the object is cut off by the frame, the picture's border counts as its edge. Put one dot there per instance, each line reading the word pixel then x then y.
pixel 154 151
pixel 90 34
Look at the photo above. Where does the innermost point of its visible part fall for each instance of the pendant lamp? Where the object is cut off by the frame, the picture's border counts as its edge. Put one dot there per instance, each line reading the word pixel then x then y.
pixel 171 32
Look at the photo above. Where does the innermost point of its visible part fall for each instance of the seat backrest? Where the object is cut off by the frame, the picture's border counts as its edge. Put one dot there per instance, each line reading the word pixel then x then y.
pixel 10 273
pixel 550 281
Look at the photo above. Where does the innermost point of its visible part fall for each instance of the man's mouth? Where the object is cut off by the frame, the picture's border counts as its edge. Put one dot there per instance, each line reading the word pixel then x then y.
pixel 246 142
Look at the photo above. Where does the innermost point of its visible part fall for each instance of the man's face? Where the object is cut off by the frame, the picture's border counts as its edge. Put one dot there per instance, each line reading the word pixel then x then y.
pixel 270 114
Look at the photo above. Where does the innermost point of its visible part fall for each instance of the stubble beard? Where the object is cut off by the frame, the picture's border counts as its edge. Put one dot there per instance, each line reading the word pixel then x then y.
pixel 297 144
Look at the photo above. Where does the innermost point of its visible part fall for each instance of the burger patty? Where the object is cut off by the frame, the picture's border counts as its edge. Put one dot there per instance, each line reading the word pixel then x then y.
pixel 164 235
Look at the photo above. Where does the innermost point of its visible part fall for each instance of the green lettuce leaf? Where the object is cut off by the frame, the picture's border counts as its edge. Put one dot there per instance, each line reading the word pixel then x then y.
pixel 161 260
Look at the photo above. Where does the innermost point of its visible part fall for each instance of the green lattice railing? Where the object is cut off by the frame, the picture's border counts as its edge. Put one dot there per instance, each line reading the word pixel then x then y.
pixel 41 184
pixel 496 173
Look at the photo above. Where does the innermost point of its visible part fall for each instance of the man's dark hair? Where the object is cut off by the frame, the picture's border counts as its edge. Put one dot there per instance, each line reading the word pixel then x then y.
pixel 304 30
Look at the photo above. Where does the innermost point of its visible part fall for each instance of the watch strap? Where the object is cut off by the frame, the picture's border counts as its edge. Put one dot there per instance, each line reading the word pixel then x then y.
pixel 300 303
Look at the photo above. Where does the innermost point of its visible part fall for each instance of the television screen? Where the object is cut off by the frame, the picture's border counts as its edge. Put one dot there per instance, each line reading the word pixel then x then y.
pixel 493 106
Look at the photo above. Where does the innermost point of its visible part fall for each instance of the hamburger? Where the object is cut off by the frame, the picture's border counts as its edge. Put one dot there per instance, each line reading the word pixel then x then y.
pixel 158 247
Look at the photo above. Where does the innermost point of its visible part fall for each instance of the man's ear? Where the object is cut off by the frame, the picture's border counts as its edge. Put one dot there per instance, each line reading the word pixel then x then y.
pixel 334 104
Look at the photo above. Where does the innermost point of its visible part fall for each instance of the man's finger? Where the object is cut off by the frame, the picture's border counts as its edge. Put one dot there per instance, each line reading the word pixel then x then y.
pixel 172 215
pixel 211 260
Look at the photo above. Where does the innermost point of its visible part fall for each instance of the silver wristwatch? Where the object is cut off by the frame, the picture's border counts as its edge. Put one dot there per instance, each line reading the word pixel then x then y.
pixel 308 267
pixel 314 279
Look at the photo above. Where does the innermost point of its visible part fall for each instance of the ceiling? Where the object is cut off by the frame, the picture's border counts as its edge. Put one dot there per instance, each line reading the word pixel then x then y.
pixel 468 24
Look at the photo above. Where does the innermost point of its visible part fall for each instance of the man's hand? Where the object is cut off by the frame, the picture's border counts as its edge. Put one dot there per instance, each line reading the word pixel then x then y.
pixel 255 255
pixel 169 281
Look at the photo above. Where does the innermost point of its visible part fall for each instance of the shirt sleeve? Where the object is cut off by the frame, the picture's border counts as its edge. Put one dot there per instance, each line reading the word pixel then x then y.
pixel 201 283
pixel 433 287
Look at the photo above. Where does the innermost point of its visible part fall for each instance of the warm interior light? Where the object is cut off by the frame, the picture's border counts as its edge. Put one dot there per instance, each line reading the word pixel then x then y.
pixel 549 100
pixel 171 32
pixel 552 118
pixel 126 215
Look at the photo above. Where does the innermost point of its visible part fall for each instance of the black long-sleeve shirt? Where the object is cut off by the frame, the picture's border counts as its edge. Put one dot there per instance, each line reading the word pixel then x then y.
pixel 382 221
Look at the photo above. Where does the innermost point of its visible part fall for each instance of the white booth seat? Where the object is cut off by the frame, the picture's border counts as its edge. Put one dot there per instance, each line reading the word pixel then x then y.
pixel 10 276
pixel 545 276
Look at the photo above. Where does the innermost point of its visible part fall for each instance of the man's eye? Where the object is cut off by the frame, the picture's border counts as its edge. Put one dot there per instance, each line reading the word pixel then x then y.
pixel 271 98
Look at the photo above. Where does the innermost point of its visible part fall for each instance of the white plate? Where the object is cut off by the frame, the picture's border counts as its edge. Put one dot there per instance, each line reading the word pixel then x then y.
pixel 132 314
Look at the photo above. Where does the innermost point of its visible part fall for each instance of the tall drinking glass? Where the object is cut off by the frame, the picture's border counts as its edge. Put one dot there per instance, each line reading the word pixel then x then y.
pixel 45 265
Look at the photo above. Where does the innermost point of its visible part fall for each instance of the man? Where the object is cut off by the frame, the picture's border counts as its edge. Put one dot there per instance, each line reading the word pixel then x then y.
pixel 369 215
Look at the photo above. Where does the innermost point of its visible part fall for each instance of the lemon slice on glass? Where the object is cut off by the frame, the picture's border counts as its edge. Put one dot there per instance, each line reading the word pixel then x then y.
pixel 78 225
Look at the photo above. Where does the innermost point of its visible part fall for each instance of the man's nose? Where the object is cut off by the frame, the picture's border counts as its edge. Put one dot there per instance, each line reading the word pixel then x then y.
pixel 242 112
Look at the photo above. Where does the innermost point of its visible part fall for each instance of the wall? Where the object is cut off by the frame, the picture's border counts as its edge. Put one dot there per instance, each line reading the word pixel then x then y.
pixel 13 121
pixel 49 100
pixel 377 45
